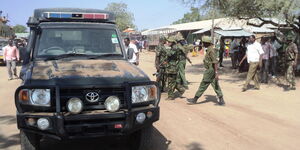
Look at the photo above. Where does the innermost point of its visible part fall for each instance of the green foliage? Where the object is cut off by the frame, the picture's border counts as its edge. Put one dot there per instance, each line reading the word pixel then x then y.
pixel 247 9
pixel 19 29
pixel 192 16
pixel 124 18
pixel 196 15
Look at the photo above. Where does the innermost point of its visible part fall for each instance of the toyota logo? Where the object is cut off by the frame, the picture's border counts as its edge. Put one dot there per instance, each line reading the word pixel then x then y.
pixel 92 97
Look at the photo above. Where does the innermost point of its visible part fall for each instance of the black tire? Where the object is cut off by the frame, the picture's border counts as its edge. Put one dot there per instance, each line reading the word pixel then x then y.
pixel 141 140
pixel 29 141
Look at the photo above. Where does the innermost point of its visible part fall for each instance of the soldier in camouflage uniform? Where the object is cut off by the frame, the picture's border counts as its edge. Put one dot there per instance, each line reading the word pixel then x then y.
pixel 210 76
pixel 172 62
pixel 291 55
pixel 160 63
pixel 182 57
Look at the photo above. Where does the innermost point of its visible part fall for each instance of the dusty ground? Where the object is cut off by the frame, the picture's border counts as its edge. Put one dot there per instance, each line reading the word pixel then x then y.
pixel 264 119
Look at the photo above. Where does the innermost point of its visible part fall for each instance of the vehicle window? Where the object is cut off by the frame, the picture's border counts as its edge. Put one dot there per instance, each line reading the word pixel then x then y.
pixel 54 42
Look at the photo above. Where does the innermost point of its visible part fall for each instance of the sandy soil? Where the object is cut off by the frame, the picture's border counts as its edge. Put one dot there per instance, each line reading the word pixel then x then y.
pixel 264 119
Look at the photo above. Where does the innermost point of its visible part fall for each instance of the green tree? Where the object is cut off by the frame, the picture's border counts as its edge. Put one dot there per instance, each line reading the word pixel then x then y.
pixel 19 29
pixel 124 18
pixel 260 9
pixel 196 15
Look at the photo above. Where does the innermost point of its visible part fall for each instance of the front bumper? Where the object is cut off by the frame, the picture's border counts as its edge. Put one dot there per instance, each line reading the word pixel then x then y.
pixel 90 124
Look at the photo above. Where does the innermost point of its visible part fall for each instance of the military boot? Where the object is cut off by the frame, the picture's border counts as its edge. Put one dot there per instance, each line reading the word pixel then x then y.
pixel 192 100
pixel 221 101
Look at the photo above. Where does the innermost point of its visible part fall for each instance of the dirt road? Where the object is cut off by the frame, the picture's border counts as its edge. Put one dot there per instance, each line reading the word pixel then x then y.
pixel 256 119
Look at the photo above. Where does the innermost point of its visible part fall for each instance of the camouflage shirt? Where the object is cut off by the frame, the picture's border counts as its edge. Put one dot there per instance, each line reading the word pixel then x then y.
pixel 210 57
pixel 291 51
pixel 161 55
pixel 172 59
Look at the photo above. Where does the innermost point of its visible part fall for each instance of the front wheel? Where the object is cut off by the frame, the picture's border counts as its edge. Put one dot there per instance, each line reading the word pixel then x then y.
pixel 141 140
pixel 29 141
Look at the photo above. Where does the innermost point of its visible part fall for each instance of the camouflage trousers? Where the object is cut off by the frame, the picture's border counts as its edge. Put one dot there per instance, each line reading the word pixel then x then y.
pixel 181 73
pixel 173 85
pixel 209 79
pixel 290 74
pixel 162 79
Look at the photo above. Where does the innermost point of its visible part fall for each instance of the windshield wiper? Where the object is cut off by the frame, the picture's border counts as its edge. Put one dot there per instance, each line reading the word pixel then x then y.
pixel 64 56
pixel 103 55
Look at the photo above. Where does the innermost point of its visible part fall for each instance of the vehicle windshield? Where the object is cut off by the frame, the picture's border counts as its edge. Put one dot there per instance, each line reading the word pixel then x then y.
pixel 3 44
pixel 91 42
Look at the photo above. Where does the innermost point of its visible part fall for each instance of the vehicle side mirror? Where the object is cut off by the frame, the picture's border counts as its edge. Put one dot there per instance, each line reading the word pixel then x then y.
pixel 25 55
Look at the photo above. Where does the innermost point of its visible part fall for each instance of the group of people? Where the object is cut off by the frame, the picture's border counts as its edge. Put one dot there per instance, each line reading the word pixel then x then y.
pixel 262 59
pixel 170 62
pixel 171 57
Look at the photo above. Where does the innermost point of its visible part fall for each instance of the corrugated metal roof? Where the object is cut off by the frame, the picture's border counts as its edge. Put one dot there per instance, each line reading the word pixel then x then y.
pixel 233 33
pixel 22 35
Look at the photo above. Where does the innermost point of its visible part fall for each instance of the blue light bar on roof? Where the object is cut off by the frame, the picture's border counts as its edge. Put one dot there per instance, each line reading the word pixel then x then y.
pixel 69 15
pixel 57 15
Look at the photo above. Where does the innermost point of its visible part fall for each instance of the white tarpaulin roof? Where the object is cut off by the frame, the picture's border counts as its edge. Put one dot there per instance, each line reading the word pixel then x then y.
pixel 233 33
pixel 202 31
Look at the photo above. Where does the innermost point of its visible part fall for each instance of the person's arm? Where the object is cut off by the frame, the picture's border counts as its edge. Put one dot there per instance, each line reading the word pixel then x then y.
pixel 137 58
pixel 296 55
pixel 260 52
pixel 243 59
pixel 18 54
pixel 216 71
pixel 4 53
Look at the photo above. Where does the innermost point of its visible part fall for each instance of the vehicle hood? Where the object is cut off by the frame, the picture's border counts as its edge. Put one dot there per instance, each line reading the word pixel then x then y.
pixel 107 71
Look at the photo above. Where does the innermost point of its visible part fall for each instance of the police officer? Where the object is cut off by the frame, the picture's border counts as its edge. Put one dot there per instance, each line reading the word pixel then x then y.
pixel 172 62
pixel 291 55
pixel 160 63
pixel 210 75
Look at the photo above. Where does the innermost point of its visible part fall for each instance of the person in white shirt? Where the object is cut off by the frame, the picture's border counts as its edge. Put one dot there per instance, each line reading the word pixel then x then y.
pixel 254 57
pixel 135 56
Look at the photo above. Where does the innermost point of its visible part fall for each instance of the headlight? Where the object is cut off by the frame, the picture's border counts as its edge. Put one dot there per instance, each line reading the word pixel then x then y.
pixel 144 93
pixel 74 105
pixel 38 97
pixel 112 104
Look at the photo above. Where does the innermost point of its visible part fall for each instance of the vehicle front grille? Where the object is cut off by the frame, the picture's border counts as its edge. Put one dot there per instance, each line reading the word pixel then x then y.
pixel 97 125
pixel 68 93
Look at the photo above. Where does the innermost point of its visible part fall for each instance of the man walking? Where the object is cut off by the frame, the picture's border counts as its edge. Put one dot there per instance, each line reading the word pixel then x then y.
pixel 291 55
pixel 11 56
pixel 253 55
pixel 210 75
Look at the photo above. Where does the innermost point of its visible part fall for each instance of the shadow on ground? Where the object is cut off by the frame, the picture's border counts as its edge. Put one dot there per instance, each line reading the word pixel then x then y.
pixel 6 142
pixel 159 142
pixel 8 119
pixel 194 146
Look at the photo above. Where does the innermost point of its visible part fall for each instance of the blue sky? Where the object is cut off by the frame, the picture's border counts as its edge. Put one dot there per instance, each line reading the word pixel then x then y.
pixel 147 13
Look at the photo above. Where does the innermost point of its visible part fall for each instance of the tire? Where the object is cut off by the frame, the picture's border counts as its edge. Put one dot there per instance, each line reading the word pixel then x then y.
pixel 141 140
pixel 29 141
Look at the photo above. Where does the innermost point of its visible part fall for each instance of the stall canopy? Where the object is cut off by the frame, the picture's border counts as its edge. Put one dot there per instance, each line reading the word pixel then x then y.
pixel 233 33
pixel 202 31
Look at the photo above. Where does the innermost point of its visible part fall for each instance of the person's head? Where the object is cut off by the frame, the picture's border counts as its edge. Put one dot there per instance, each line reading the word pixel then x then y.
pixel 162 39
pixel 127 41
pixel 10 42
pixel 289 38
pixel 252 39
pixel 207 41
